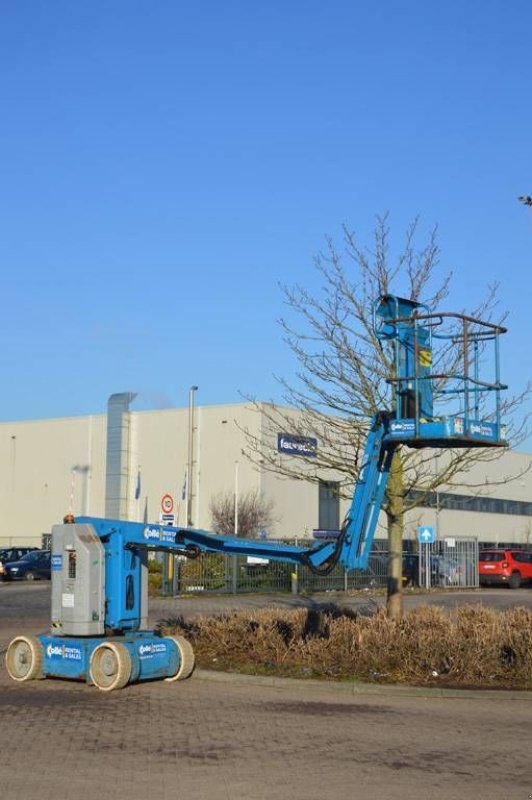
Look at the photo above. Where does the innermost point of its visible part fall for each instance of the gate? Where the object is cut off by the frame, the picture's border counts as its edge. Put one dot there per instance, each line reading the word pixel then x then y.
pixel 449 563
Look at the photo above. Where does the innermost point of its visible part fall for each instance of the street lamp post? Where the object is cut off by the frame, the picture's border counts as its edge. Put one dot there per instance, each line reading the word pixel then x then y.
pixel 191 394
pixel 234 560
pixel 236 498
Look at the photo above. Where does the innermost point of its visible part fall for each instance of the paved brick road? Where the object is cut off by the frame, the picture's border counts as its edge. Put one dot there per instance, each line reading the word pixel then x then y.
pixel 216 737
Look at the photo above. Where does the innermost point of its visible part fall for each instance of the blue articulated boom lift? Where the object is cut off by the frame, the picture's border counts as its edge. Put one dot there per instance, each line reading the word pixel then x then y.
pixel 99 566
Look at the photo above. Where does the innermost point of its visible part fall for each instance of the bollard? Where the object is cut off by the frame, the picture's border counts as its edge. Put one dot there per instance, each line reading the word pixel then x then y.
pixel 294 582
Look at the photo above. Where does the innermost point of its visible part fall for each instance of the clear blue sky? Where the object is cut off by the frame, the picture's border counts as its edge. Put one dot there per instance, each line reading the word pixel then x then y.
pixel 165 164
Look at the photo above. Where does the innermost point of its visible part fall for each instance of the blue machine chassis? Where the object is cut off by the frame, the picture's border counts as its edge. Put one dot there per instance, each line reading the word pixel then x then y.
pixel 151 656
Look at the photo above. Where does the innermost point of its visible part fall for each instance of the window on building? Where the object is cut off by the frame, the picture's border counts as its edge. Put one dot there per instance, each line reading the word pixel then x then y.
pixel 329 506
pixel 465 502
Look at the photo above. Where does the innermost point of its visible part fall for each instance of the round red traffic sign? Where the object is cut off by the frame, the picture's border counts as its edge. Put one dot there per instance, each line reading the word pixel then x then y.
pixel 167 503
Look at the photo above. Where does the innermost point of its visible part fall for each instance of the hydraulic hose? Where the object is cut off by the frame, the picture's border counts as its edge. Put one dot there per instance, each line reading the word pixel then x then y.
pixel 329 564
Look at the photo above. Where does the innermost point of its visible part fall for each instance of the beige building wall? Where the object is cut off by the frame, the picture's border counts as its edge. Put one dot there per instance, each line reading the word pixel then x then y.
pixel 48 467
pixel 52 466
pixel 507 478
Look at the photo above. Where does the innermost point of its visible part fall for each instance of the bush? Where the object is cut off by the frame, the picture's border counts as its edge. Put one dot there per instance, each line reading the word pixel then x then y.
pixel 471 646
pixel 155 576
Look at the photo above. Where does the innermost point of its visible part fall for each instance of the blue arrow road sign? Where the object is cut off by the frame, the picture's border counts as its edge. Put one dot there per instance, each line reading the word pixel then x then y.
pixel 426 534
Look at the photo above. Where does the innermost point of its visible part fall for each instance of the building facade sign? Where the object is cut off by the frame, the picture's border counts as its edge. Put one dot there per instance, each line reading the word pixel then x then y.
pixel 297 445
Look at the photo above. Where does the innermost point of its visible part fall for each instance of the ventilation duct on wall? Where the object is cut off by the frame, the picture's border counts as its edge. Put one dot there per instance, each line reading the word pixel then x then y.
pixel 117 478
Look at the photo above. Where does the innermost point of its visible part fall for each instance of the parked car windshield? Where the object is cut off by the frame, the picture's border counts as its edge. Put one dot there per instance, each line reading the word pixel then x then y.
pixel 491 556
pixel 525 558
pixel 33 556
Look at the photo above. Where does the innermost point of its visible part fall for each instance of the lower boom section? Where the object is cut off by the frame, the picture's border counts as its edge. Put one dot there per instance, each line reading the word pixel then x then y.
pixel 109 662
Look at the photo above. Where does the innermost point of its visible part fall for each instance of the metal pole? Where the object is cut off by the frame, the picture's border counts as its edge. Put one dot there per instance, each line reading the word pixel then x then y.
pixel 234 558
pixel 498 385
pixel 236 498
pixel 436 474
pixel 191 393
pixel 466 374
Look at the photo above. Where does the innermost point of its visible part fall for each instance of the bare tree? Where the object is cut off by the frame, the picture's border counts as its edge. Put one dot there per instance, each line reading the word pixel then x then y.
pixel 343 376
pixel 255 514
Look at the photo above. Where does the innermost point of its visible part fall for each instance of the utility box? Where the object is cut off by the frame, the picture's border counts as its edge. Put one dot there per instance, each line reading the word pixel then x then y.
pixel 78 581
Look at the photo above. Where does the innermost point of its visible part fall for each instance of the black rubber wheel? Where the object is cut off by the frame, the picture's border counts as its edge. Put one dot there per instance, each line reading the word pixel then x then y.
pixel 515 580
pixel 110 666
pixel 24 658
pixel 30 576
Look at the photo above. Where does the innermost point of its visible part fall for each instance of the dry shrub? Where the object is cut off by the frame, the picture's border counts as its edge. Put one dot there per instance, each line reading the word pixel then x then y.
pixel 472 646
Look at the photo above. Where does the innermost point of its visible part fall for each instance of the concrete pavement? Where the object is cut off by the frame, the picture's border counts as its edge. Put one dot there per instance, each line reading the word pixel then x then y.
pixel 220 737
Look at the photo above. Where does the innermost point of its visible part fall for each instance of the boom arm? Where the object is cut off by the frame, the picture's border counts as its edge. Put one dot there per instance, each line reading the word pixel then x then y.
pixel 125 543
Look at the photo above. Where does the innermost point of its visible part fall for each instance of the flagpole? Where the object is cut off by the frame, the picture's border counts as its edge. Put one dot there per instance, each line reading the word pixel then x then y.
pixel 183 501
pixel 236 498
pixel 137 495
pixel 191 393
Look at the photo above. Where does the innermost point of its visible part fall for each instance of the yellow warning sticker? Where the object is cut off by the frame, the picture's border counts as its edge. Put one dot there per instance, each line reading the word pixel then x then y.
pixel 425 358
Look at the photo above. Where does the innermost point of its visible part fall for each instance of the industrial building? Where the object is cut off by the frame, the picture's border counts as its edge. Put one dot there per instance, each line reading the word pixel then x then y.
pixel 169 464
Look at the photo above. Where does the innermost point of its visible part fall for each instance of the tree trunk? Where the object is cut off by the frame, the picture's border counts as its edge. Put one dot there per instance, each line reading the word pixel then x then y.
pixel 394 512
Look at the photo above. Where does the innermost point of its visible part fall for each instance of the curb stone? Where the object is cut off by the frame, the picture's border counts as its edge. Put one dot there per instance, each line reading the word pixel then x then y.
pixel 358 687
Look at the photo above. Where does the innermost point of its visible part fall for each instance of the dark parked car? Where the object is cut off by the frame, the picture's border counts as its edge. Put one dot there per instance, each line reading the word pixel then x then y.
pixel 410 569
pixel 32 566
pixel 443 571
pixel 12 554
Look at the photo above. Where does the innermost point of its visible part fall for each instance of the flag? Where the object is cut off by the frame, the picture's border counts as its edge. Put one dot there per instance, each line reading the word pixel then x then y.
pixel 184 489
pixel 145 518
pixel 137 487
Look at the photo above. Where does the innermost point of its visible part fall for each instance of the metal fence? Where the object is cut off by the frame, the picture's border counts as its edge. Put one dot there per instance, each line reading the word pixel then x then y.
pixel 451 563
pixel 447 564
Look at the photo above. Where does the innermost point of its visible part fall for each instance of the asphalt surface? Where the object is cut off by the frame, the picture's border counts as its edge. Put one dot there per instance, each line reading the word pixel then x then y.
pixel 223 737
